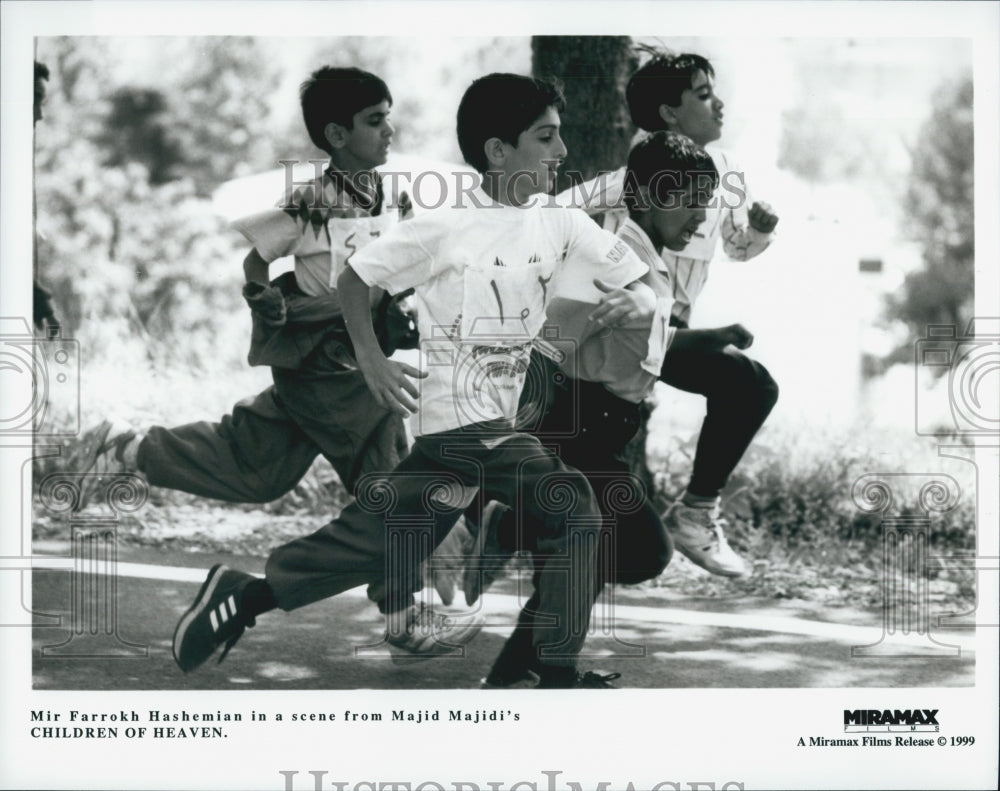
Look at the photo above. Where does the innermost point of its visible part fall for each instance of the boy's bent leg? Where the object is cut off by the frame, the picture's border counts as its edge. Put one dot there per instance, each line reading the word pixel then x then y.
pixel 382 536
pixel 254 455
pixel 558 511
pixel 740 394
pixel 642 550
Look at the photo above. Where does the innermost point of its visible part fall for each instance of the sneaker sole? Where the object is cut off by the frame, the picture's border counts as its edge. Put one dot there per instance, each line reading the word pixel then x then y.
pixel 204 595
pixel 700 563
pixel 87 456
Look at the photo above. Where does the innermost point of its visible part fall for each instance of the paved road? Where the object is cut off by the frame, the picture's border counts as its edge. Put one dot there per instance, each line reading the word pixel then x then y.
pixel 335 644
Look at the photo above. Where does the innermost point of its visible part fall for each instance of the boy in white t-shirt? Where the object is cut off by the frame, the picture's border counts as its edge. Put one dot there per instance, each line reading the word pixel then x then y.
pixel 484 272
pixel 592 399
pixel 677 93
pixel 319 402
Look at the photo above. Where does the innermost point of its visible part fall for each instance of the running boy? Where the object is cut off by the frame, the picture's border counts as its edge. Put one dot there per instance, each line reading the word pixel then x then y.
pixel 613 372
pixel 677 93
pixel 484 272
pixel 319 402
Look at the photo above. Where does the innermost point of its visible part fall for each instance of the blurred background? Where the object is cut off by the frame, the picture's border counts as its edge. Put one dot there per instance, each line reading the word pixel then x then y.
pixel 863 146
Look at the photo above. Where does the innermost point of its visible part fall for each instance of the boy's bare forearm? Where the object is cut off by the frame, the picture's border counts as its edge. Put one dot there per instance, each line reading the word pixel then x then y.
pixel 387 380
pixel 354 302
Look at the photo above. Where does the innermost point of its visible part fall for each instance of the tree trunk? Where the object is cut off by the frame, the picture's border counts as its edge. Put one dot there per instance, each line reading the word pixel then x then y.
pixel 596 125
pixel 597 130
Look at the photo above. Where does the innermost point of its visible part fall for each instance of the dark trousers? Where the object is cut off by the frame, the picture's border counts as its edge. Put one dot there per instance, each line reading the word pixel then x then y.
pixel 740 394
pixel 589 428
pixel 399 518
pixel 262 450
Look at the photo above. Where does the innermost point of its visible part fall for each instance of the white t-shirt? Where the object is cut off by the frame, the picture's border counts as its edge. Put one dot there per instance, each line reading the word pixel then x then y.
pixel 484 275
pixel 321 226
pixel 727 219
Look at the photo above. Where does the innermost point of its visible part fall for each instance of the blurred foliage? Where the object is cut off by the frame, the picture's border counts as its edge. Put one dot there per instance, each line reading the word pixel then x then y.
pixel 138 130
pixel 939 214
pixel 222 105
pixel 125 230
pixel 823 142
pixel 789 511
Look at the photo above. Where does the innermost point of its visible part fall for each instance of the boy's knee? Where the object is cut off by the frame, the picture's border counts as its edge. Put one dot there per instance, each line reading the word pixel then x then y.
pixel 651 564
pixel 767 388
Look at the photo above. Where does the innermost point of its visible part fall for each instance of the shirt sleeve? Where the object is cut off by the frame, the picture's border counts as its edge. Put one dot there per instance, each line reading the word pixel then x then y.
pixel 273 233
pixel 279 231
pixel 661 335
pixel 405 257
pixel 592 252
pixel 739 241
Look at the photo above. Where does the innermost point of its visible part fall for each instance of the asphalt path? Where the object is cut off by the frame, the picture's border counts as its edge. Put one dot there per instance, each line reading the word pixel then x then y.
pixel 96 631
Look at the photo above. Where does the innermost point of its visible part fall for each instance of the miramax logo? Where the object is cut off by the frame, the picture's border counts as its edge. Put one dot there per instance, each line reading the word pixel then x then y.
pixel 891 720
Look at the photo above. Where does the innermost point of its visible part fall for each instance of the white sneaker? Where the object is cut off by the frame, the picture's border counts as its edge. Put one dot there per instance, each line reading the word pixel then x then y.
pixel 697 533
pixel 427 634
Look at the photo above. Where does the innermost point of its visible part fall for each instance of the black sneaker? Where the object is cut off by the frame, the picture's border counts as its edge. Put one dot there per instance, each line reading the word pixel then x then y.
pixel 215 618
pixel 592 680
pixel 588 680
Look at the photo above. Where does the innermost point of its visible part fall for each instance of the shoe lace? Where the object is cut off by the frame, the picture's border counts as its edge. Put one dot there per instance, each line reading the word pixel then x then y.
pixel 713 524
pixel 592 679
pixel 247 624
pixel 427 621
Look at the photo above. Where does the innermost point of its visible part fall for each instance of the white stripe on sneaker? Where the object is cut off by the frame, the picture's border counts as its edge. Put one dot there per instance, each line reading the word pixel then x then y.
pixel 214 621
pixel 231 601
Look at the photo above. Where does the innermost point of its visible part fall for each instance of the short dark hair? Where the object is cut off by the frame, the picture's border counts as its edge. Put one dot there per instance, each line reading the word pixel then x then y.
pixel 41 71
pixel 502 106
pixel 662 81
pixel 336 95
pixel 666 162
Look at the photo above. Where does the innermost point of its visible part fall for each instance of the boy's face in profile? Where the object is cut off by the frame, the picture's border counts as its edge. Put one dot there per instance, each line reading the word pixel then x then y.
pixel 367 142
pixel 699 115
pixel 532 164
pixel 675 217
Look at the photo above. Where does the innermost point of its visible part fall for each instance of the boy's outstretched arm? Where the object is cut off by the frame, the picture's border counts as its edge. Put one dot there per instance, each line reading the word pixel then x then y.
pixel 388 380
pixel 741 243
